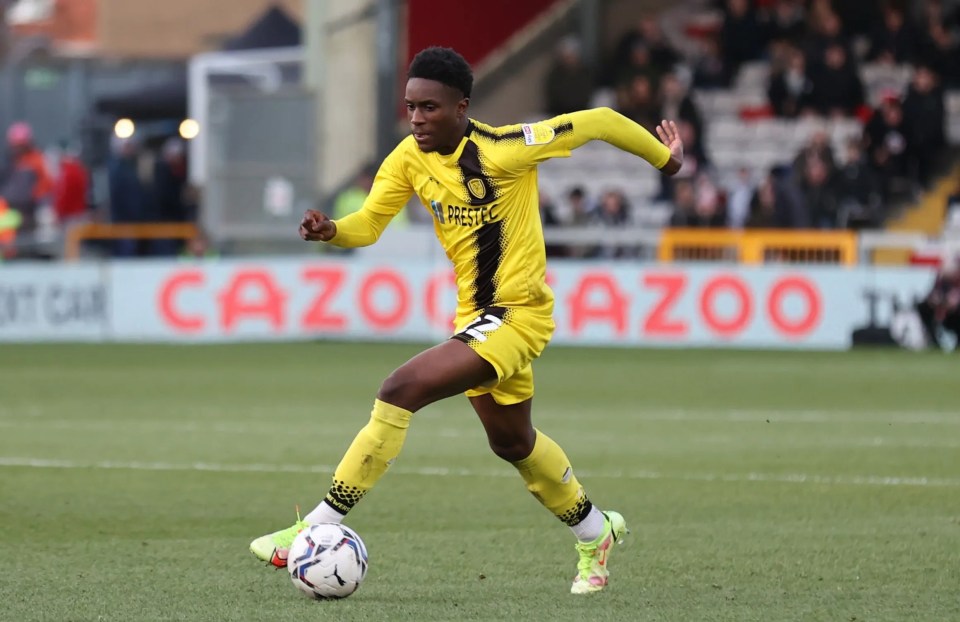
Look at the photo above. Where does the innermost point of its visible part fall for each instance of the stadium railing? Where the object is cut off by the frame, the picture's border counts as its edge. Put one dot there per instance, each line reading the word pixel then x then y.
pixel 757 246
pixel 113 231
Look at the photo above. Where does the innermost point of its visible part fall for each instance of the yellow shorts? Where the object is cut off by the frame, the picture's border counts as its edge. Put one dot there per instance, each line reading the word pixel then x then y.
pixel 509 338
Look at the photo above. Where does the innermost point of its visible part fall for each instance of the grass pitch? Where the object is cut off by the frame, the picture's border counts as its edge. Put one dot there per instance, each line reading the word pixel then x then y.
pixel 758 485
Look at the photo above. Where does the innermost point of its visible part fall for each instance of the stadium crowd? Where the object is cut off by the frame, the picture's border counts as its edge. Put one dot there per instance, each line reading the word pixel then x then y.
pixel 49 191
pixel 812 54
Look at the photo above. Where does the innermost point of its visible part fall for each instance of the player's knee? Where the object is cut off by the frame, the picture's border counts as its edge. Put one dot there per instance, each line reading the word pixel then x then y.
pixel 402 389
pixel 513 450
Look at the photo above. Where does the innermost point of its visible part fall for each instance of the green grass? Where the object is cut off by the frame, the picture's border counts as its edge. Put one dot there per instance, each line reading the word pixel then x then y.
pixel 759 486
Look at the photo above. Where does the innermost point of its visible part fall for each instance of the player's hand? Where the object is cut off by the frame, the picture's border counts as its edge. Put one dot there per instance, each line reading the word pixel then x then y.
pixel 316 227
pixel 670 136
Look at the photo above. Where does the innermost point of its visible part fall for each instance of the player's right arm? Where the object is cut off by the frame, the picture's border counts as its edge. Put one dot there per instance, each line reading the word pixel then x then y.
pixel 390 192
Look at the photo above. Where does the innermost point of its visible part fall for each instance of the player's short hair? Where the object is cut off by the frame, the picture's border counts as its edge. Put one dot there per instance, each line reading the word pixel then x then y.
pixel 443 65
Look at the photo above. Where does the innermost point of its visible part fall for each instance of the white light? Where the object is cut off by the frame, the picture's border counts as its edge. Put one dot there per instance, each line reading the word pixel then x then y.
pixel 124 128
pixel 189 129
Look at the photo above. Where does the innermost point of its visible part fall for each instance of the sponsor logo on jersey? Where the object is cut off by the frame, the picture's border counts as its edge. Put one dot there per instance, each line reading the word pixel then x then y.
pixel 537 134
pixel 460 216
pixel 437 208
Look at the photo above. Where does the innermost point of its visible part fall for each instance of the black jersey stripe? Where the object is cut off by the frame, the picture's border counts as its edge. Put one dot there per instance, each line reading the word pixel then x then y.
pixel 488 239
pixel 563 128
pixel 498 312
pixel 470 170
pixel 489 242
pixel 494 136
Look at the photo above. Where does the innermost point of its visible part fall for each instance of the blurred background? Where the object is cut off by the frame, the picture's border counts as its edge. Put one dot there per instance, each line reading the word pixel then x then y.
pixel 162 154
pixel 751 405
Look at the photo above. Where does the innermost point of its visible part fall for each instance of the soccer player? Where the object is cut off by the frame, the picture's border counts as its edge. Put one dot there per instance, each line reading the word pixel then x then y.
pixel 480 184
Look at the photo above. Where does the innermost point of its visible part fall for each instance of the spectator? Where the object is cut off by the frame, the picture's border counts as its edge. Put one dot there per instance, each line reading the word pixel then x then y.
pixel 351 198
pixel 741 35
pixel 819 193
pixel 765 213
pixel 858 16
pixel 27 185
pixel 739 194
pixel 818 146
pixel 819 10
pixel 885 139
pixel 638 64
pixel 938 42
pixel 924 108
pixel 577 208
pixel 710 207
pixel 9 223
pixel 70 188
pixel 710 71
pixel 827 31
pixel 895 40
pixel 785 22
pixel 170 191
pixel 640 104
pixel 569 84
pixel 676 103
pixel 697 204
pixel 579 216
pixel 170 182
pixel 662 55
pixel 128 196
pixel 613 212
pixel 695 158
pixel 684 204
pixel 791 89
pixel 776 205
pixel 858 190
pixel 837 89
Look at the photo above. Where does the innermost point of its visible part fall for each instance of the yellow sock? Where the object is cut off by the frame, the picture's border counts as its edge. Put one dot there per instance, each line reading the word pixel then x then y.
pixel 374 449
pixel 550 479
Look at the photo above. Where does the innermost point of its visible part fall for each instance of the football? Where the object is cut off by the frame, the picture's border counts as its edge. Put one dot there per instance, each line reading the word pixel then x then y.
pixel 327 561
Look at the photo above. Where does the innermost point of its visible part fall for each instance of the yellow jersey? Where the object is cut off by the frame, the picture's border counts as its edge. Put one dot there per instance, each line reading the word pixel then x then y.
pixel 484 200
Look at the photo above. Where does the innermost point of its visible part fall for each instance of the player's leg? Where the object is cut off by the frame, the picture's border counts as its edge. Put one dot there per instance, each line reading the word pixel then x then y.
pixel 547 472
pixel 442 371
pixel 541 462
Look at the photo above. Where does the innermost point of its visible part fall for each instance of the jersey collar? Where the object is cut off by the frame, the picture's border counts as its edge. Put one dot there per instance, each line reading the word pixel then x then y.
pixel 455 156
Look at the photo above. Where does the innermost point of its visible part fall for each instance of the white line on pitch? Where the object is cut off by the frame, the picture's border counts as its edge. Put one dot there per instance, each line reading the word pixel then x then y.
pixel 789 416
pixel 705 416
pixel 791 478
pixel 431 432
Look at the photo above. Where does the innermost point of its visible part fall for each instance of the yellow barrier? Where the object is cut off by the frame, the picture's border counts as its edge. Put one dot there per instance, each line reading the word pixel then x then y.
pixel 111 231
pixel 758 246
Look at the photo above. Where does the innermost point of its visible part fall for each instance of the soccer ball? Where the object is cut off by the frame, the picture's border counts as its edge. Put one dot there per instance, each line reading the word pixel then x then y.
pixel 327 561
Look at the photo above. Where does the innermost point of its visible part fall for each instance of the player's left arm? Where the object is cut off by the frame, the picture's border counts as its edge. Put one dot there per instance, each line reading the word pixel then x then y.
pixel 557 137
pixel 612 127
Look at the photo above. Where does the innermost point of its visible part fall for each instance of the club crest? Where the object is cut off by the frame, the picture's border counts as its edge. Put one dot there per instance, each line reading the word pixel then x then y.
pixel 477 188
